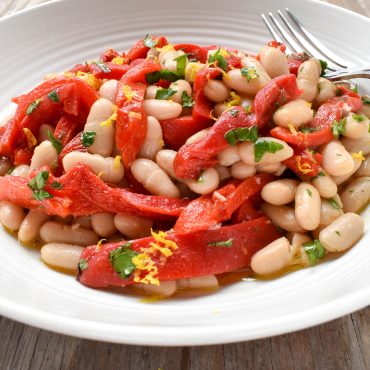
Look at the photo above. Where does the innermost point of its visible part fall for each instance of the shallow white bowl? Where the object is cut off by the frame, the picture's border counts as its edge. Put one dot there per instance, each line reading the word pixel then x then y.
pixel 54 36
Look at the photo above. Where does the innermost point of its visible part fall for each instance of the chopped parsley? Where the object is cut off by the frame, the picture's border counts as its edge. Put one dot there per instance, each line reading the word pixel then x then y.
pixel 57 144
pixel 163 94
pixel 320 174
pixel 338 233
pixel 163 74
pixel 249 72
pixel 201 177
pixel 314 250
pixel 234 112
pixel 88 138
pixel 187 100
pixel 365 100
pixel 83 264
pixel 309 192
pixel 358 117
pixel 102 66
pixel 223 243
pixel 56 185
pixel 181 65
pixel 242 134
pixel 149 42
pixel 121 260
pixel 333 203
pixel 31 108
pixel 153 77
pixel 262 146
pixel 308 129
pixel 37 185
pixel 218 59
pixel 338 127
pixel 324 66
pixel 53 96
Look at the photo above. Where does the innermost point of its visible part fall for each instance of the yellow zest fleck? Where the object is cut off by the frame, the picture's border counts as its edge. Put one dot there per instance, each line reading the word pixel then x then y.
pixel 160 238
pixel 212 115
pixel 135 115
pixel 117 162
pixel 118 60
pixel 224 53
pixel 309 104
pixel 100 242
pixel 90 79
pixel 358 155
pixel 305 167
pixel 192 70
pixel 100 174
pixel 128 93
pixel 292 129
pixel 168 47
pixel 109 121
pixel 161 143
pixel 68 74
pixel 144 262
pixel 31 140
pixel 233 100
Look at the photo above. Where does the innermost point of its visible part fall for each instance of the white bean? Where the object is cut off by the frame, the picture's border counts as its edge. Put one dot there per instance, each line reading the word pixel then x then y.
pixel 64 220
pixel 165 289
pixel 343 233
pixel 102 223
pixel 5 166
pixel 84 221
pixel 132 226
pixel 326 90
pixel 109 169
pixel 43 132
pixel 108 90
pixel 65 256
pixel 191 70
pixel 228 156
pixel 296 247
pixel 341 179
pixel 22 171
pixel 283 217
pixel 29 229
pixel 200 135
pixel 56 232
pixel 325 185
pixel 219 108
pixel 151 91
pixel 356 126
pixel 356 194
pixel 153 178
pixel 270 167
pixel 44 155
pixel 329 212
pixel 198 282
pixel 241 170
pixel 216 91
pixel 165 159
pixel 336 161
pixel 307 79
pixel 223 172
pixel 180 86
pixel 162 109
pixel 207 182
pixel 103 143
pixel 11 215
pixel 274 61
pixel 364 169
pixel 295 113
pixel 167 59
pixel 355 146
pixel 153 142
pixel 279 192
pixel 272 258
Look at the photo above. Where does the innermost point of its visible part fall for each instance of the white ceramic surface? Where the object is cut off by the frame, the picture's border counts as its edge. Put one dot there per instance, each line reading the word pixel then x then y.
pixel 54 36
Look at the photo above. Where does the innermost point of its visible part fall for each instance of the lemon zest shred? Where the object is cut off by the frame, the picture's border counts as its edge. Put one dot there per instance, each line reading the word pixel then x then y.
pixel 90 79
pixel 234 100
pixel 100 174
pixel 224 53
pixel 211 115
pixel 144 262
pixel 109 121
pixel 118 60
pixel 69 74
pixel 358 155
pixel 305 167
pixel 31 140
pixel 128 92
pixel 136 115
pixel 168 47
pixel 116 162
pixel 292 129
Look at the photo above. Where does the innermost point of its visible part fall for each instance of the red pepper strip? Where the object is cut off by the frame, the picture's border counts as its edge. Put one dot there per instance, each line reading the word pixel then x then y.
pixel 204 75
pixel 139 50
pixel 192 158
pixel 200 53
pixel 247 211
pixel 295 60
pixel 177 130
pixel 209 210
pixel 278 45
pixel 83 193
pixel 194 256
pixel 278 91
pixel 22 155
pixel 67 128
pixel 116 71
pixel 110 54
pixel 305 163
pixel 80 68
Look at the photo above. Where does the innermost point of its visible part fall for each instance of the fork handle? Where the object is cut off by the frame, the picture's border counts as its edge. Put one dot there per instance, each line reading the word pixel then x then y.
pixel 354 72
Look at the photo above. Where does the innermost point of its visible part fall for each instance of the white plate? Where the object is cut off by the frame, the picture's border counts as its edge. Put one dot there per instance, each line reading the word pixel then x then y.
pixel 54 36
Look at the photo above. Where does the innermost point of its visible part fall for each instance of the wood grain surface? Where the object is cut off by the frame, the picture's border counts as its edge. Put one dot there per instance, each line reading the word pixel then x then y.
pixel 338 345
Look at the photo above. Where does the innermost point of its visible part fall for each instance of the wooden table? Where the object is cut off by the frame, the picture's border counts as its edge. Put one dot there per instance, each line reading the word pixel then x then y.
pixel 341 344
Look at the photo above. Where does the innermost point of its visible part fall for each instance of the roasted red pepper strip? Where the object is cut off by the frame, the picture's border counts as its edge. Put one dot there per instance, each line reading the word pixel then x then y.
pixel 67 128
pixel 116 71
pixel 248 210
pixel 83 193
pixel 200 53
pixel 305 163
pixel 110 54
pixel 295 60
pixel 209 210
pixel 139 50
pixel 278 45
pixel 195 255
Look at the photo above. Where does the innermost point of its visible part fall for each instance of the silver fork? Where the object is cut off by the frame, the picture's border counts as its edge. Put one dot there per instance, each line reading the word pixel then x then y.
pixel 298 39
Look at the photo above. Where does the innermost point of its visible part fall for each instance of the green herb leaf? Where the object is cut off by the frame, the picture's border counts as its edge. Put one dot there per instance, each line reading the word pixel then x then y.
pixel 33 106
pixel 309 192
pixel 338 233
pixel 314 250
pixel 218 59
pixel 53 96
pixel 242 134
pixel 365 100
pixel 102 66
pixel 88 138
pixel 249 72
pixel 149 42
pixel 83 264
pixel 37 186
pixel 56 185
pixel 248 109
pixel 308 129
pixel 234 112
pixel 338 127
pixel 181 65
pixel 167 75
pixel 320 174
pixel 163 94
pixel 355 89
pixel 55 142
pixel 324 66
pixel 358 117
pixel 121 260
pixel 262 146
pixel 333 203
pixel 223 243
pixel 41 194
pixel 153 77
pixel 201 177
pixel 187 100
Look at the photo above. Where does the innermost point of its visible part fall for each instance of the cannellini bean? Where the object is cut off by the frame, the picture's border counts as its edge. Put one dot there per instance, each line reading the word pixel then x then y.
pixel 219 108
pixel 150 92
pixel 355 146
pixel 329 212
pixel 283 217
pixel 228 156
pixel 269 167
pixel 223 172
pixel 162 109
pixel 245 84
pixel 165 289
pixel 247 151
pixel 207 182
pixel 11 215
pixel 341 179
pixel 44 132
pixel 364 169
pixel 165 159
pixel 366 107
pixel 180 86
pixel 241 170
pixel 200 135
pixel 109 169
pixel 153 178
pixel 84 221
pixel 44 155
pixel 295 113
pixel 167 59
pixel 152 53
pixel 216 91
pixel 102 223
pixel 336 161
pixel 272 258
pixel 65 256
pixel 198 282
pixel 356 126
pixel 5 166
pixel 342 233
pixel 21 171
pixel 56 232
pixel 64 220
pixel 279 192
pixel 356 194
pixel 307 206
pixel 274 61
pixel 30 226
pixel 153 142
pixel 296 247
pixel 326 90
pixel 325 185
pixel 307 79
pixel 132 226
pixel 103 143
pixel 191 70
pixel 108 90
